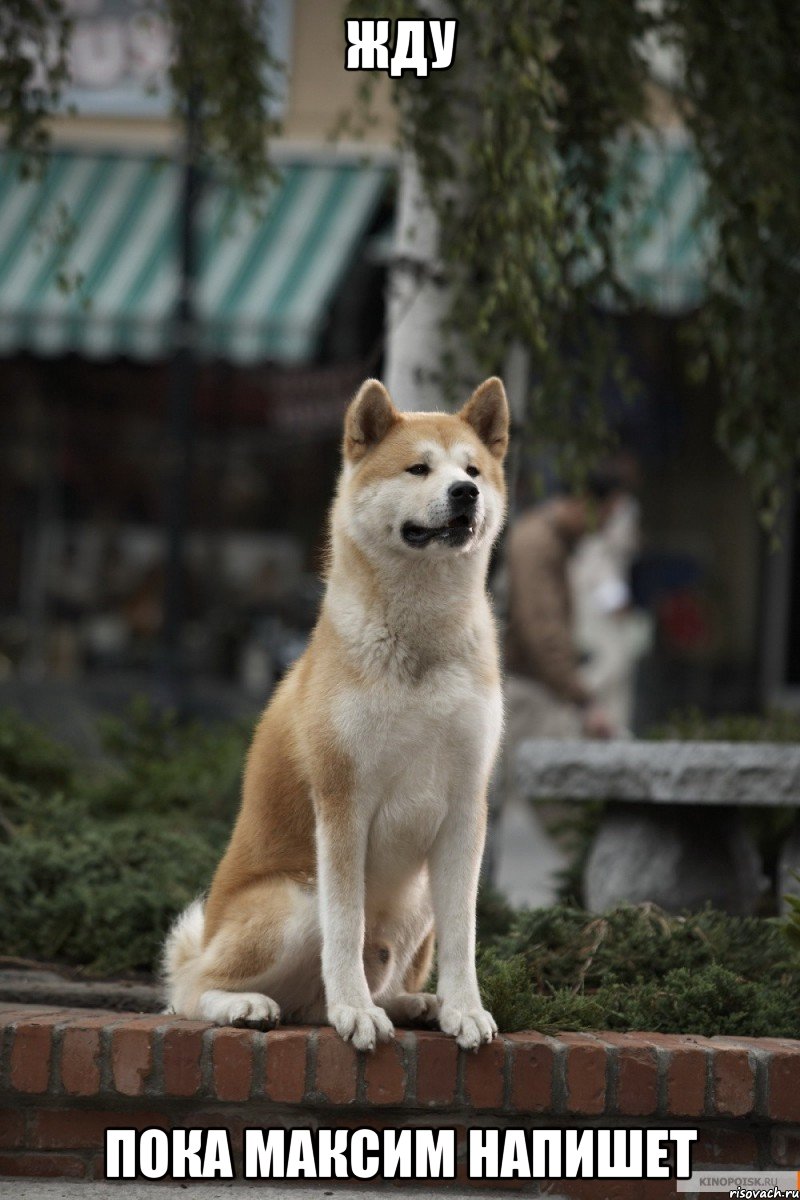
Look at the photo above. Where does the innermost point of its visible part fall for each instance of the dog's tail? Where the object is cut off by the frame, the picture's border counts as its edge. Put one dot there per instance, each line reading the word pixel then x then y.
pixel 182 950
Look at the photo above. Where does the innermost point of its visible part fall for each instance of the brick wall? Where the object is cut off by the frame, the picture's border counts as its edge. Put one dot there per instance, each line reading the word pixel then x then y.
pixel 68 1074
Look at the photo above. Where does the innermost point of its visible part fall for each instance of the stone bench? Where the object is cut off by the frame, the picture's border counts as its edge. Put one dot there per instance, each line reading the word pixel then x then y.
pixel 672 832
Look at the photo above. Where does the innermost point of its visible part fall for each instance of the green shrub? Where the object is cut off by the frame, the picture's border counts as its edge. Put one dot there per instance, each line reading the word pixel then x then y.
pixel 96 860
pixel 692 725
pixel 95 863
pixel 160 765
pixel 638 968
pixel 100 894
pixel 30 756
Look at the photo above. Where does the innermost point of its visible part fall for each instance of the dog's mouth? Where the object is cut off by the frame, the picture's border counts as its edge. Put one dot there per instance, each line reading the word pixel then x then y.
pixel 456 532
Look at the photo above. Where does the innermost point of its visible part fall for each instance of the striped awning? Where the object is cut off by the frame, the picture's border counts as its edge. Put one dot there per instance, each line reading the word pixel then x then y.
pixel 663 245
pixel 88 257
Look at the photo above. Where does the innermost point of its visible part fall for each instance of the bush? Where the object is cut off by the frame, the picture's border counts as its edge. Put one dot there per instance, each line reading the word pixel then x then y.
pixel 30 756
pixel 96 860
pixel 691 725
pixel 159 765
pixel 638 968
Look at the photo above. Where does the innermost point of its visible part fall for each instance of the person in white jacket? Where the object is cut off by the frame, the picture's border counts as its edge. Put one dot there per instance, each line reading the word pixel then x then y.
pixel 610 634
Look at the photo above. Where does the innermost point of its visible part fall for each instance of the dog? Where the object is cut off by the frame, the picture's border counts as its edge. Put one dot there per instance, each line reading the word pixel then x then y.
pixel 363 812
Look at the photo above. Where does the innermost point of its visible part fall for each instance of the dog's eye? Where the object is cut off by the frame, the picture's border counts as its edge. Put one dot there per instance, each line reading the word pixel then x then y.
pixel 472 471
pixel 419 469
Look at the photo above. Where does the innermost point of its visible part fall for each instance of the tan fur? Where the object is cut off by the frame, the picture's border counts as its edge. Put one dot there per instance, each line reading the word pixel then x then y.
pixel 417 974
pixel 301 782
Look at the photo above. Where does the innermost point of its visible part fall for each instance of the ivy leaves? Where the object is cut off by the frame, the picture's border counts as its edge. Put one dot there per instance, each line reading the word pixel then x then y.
pixel 224 47
pixel 516 147
pixel 221 53
pixel 34 36
pixel 742 79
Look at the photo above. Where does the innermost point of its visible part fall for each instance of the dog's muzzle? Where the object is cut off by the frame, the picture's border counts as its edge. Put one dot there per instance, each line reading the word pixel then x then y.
pixel 462 498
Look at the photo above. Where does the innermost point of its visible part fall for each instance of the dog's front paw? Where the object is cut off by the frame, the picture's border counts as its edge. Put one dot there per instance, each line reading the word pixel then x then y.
pixel 469 1026
pixel 361 1026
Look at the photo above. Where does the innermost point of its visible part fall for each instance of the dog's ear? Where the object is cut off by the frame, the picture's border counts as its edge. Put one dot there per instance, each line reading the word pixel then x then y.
pixel 369 418
pixel 487 412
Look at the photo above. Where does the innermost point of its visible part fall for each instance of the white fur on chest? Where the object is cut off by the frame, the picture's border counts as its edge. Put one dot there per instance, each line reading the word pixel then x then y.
pixel 393 731
pixel 416 750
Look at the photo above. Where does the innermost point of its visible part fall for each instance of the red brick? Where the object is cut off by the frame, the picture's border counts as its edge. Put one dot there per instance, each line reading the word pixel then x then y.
pixel 483 1075
pixel 285 1079
pixel 232 1063
pixel 51 1166
pixel 532 1059
pixel 725 1147
pixel 12 1128
pixel 182 1049
pixel 784 1085
pixel 83 1129
pixel 80 1061
pixel 734 1083
pixel 585 1074
pixel 637 1074
pixel 658 1189
pixel 687 1063
pixel 385 1073
pixel 337 1065
pixel 785 1147
pixel 31 1053
pixel 437 1063
pixel 132 1057
pixel 609 1189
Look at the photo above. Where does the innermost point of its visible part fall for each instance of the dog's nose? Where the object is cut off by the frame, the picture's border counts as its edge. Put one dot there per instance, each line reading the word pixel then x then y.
pixel 462 494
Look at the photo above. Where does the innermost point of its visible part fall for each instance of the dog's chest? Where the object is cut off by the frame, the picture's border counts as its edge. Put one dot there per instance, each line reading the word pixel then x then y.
pixel 415 750
pixel 392 731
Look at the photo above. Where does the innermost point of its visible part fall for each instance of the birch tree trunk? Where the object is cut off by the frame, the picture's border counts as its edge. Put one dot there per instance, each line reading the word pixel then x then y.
pixel 417 299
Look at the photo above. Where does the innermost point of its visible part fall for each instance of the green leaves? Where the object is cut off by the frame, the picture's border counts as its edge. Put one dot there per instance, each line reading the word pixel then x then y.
pixel 791 925
pixel 96 859
pixel 222 55
pixel 34 36
pixel 637 968
pixel 516 145
pixel 222 47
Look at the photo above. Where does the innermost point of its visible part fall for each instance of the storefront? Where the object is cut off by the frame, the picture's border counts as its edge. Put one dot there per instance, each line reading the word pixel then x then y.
pixel 289 313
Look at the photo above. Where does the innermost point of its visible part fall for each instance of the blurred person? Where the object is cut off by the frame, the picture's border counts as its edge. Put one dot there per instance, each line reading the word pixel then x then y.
pixel 546 693
pixel 611 634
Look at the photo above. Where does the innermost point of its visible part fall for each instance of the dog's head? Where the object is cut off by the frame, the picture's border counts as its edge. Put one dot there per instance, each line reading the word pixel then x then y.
pixel 424 484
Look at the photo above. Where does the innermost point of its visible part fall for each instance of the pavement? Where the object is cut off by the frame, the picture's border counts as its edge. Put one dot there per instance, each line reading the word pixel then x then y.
pixel 57 1189
pixel 527 859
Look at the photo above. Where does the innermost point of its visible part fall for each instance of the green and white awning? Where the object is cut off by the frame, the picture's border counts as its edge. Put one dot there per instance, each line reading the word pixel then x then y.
pixel 88 252
pixel 663 245
pixel 88 257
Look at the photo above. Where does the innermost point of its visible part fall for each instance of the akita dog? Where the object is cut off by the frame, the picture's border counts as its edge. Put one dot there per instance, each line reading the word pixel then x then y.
pixel 363 814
